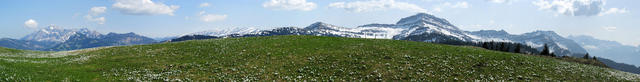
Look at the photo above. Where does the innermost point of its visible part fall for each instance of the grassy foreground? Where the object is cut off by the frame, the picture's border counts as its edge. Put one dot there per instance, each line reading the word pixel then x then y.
pixel 293 58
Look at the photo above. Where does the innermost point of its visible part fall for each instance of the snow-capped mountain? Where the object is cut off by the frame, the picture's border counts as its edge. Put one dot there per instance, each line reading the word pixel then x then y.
pixel 358 32
pixel 428 28
pixel 420 27
pixel 556 43
pixel 223 32
pixel 410 28
pixel 56 34
pixel 81 41
pixel 55 38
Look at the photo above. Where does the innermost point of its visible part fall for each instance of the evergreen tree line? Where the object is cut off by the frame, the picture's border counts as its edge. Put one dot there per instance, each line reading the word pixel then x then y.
pixel 545 51
pixel 497 46
pixel 586 56
pixel 508 47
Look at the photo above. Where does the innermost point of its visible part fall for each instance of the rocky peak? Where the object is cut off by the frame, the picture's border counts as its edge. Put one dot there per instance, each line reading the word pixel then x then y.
pixel 322 26
pixel 425 19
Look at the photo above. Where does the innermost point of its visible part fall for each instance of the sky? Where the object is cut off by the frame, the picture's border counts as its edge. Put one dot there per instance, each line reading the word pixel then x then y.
pixel 603 19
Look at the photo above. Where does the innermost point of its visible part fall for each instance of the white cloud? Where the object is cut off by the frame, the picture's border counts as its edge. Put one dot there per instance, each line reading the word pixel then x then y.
pixel 501 1
pixel 99 20
pixel 144 7
pixel 204 5
pixel 610 28
pixel 211 17
pixel 95 11
pixel 301 5
pixel 577 7
pixel 613 11
pixel 31 24
pixel 461 4
pixel 376 5
pixel 490 26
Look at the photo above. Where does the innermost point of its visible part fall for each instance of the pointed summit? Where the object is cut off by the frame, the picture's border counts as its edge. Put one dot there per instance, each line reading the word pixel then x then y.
pixel 322 26
pixel 544 33
pixel 426 19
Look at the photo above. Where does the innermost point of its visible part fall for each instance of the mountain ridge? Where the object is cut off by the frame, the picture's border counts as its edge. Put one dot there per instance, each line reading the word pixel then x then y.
pixel 428 28
pixel 609 49
pixel 55 38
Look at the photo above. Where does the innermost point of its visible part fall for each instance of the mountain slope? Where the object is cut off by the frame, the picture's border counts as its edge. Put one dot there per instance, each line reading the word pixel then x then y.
pixel 557 43
pixel 609 49
pixel 81 41
pixel 620 66
pixel 428 28
pixel 612 53
pixel 25 44
pixel 224 32
pixel 57 39
pixel 57 34
pixel 297 58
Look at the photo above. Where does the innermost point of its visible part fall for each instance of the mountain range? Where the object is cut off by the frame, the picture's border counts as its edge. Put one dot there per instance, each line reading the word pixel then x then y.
pixel 421 27
pixel 426 28
pixel 611 50
pixel 55 38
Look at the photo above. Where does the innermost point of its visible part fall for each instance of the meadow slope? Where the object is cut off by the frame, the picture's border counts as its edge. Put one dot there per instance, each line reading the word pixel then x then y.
pixel 293 58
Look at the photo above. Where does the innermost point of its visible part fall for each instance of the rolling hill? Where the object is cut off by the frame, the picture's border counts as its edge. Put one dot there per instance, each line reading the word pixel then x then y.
pixel 294 58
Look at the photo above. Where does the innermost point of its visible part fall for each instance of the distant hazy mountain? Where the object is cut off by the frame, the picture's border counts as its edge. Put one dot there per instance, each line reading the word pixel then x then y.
pixel 81 41
pixel 620 66
pixel 165 38
pixel 54 39
pixel 56 34
pixel 609 49
pixel 223 32
pixel 25 44
pixel 557 43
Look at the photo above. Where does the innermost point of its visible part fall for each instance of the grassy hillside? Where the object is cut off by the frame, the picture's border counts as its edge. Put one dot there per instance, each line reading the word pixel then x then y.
pixel 293 58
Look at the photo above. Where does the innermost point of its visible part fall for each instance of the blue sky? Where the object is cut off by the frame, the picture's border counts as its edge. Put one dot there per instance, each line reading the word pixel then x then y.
pixel 604 19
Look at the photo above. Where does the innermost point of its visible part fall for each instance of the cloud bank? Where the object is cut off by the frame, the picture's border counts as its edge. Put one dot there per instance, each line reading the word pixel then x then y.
pixel 144 7
pixel 377 5
pixel 32 24
pixel 95 11
pixel 577 7
pixel 298 5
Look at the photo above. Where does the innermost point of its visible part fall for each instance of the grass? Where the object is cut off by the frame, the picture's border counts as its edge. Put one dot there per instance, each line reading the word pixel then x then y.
pixel 294 58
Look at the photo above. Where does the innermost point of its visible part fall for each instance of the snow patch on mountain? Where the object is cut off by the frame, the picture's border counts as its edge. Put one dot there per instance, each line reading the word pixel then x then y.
pixel 224 32
pixel 589 47
pixel 56 34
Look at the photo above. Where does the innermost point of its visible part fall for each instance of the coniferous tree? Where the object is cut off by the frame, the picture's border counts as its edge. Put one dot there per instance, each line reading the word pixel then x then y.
pixel 552 54
pixel 494 46
pixel 545 50
pixel 517 49
pixel 502 47
pixel 586 56
pixel 485 45
pixel 594 58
